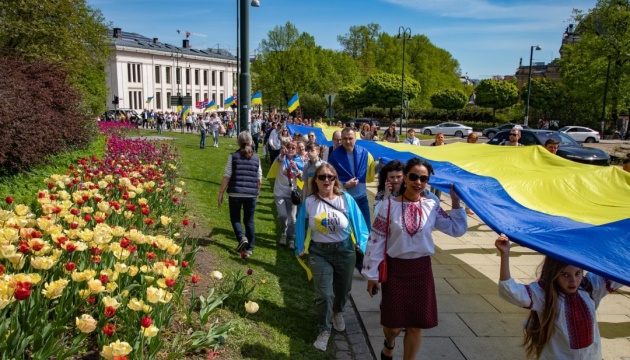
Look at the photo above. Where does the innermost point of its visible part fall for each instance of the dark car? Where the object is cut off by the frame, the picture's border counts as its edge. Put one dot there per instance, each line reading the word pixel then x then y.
pixel 358 122
pixel 490 132
pixel 569 148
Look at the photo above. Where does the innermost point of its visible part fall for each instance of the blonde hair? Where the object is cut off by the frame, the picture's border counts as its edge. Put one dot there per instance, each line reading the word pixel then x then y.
pixel 337 187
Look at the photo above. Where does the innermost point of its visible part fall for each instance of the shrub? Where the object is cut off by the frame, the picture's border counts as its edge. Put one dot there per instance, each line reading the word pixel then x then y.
pixel 39 114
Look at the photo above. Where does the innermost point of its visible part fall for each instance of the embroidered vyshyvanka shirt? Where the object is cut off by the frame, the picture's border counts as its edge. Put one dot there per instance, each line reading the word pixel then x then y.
pixel 576 334
pixel 410 236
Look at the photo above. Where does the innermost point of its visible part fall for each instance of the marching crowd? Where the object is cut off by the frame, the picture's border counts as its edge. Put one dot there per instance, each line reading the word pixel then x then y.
pixel 328 224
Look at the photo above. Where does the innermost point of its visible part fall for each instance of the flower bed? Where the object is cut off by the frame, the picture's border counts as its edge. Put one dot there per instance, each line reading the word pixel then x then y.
pixel 99 264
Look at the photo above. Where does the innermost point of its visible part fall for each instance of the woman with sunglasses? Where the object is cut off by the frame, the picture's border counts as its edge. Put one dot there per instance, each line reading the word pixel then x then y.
pixel 408 299
pixel 290 167
pixel 285 137
pixel 332 217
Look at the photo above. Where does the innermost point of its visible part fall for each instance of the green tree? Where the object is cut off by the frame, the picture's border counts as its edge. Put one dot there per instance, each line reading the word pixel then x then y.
pixel 449 99
pixel 384 90
pixel 67 33
pixel 361 44
pixel 312 105
pixel 547 96
pixel 352 98
pixel 604 38
pixel 495 94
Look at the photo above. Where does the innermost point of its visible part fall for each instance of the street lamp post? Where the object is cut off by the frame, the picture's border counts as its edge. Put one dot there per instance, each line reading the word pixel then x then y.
pixel 404 34
pixel 244 89
pixel 529 81
pixel 605 96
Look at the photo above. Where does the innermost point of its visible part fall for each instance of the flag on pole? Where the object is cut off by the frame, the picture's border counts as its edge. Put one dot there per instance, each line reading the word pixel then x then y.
pixel 201 104
pixel 257 98
pixel 294 103
pixel 210 106
pixel 184 111
pixel 149 99
pixel 229 101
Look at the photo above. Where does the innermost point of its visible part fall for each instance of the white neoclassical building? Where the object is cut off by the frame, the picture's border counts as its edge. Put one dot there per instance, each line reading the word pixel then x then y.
pixel 140 67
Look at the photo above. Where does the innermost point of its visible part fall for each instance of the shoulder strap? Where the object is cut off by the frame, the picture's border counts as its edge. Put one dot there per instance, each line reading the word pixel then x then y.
pixel 389 208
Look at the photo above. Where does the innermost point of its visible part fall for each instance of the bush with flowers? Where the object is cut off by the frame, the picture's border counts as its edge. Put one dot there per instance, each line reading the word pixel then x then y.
pixel 99 264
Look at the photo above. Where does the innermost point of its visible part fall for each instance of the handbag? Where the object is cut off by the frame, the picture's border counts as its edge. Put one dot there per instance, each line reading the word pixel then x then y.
pixel 296 194
pixel 221 129
pixel 382 266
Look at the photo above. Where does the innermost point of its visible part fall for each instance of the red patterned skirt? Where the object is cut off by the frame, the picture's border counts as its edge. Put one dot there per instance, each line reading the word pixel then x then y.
pixel 408 298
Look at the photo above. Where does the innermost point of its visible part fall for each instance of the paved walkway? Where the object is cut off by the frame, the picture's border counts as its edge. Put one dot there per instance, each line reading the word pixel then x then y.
pixel 474 323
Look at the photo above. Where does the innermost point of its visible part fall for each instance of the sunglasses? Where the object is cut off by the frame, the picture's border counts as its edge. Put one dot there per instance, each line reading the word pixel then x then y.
pixel 415 177
pixel 326 177
pixel 513 134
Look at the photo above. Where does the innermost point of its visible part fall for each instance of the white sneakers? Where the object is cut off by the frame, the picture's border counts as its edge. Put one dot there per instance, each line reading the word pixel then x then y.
pixel 292 245
pixel 283 240
pixel 322 341
pixel 338 322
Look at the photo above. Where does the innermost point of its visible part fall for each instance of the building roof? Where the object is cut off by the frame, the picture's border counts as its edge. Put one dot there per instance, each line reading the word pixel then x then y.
pixel 129 39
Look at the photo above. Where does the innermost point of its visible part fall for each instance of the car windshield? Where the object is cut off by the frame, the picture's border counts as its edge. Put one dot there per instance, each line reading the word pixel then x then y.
pixel 565 140
pixel 564 128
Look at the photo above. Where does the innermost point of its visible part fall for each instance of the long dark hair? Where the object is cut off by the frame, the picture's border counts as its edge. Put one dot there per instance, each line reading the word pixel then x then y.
pixel 393 165
pixel 411 163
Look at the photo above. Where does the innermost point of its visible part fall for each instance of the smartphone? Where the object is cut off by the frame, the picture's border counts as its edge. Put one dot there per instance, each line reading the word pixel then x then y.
pixel 374 290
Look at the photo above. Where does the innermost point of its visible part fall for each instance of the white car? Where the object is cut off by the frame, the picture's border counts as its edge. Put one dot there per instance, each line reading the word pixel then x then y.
pixel 581 133
pixel 448 128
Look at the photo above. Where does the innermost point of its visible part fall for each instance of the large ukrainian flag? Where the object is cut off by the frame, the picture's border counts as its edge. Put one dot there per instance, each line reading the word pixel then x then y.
pixel 576 213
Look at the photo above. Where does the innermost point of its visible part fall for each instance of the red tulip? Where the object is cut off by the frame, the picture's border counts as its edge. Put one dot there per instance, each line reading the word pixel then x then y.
pixel 9 199
pixel 185 222
pixel 70 266
pixel 194 279
pixel 110 311
pixel 146 322
pixel 109 329
pixel 184 264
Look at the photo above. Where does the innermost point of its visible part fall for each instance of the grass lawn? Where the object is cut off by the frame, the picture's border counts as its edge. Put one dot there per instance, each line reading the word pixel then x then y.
pixel 285 326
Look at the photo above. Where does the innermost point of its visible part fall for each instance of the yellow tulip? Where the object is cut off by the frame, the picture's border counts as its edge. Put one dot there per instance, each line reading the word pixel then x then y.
pixel 96 287
pixel 86 323
pixel 110 301
pixel 216 275
pixel 54 289
pixel 251 307
pixel 114 349
pixel 151 331
pixel 135 304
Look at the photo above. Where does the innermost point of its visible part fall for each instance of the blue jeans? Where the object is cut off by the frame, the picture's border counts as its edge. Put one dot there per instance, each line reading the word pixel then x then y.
pixel 364 205
pixel 159 128
pixel 202 143
pixel 248 204
pixel 332 266
pixel 215 136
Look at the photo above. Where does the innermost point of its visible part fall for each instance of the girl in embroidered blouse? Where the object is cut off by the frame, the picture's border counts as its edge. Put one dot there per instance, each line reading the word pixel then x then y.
pixel 562 323
pixel 409 299
pixel 389 183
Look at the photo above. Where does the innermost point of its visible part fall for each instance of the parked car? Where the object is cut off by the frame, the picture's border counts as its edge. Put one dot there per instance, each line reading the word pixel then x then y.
pixel 358 122
pixel 489 132
pixel 448 128
pixel 581 133
pixel 114 114
pixel 569 148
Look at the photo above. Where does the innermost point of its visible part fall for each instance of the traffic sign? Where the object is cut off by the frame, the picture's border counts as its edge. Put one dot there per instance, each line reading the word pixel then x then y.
pixel 330 113
pixel 330 98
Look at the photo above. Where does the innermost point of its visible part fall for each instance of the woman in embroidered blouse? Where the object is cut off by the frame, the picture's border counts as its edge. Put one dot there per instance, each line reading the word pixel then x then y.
pixel 562 323
pixel 408 299
pixel 331 215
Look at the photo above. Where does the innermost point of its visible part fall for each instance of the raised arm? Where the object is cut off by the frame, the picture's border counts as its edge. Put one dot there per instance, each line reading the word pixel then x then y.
pixel 503 244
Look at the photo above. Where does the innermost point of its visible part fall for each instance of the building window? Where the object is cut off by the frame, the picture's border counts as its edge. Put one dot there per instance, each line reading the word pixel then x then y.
pixel 168 74
pixel 220 78
pixel 205 96
pixel 158 100
pixel 178 76
pixel 214 97
pixel 187 94
pixel 221 96
pixel 197 98
pixel 168 100
pixel 131 95
pixel 133 73
pixel 214 78
pixel 157 74
pixel 187 76
pixel 205 77
pixel 196 76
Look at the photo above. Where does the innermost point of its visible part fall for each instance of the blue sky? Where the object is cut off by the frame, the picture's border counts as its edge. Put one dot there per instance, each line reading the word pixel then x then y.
pixel 487 37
